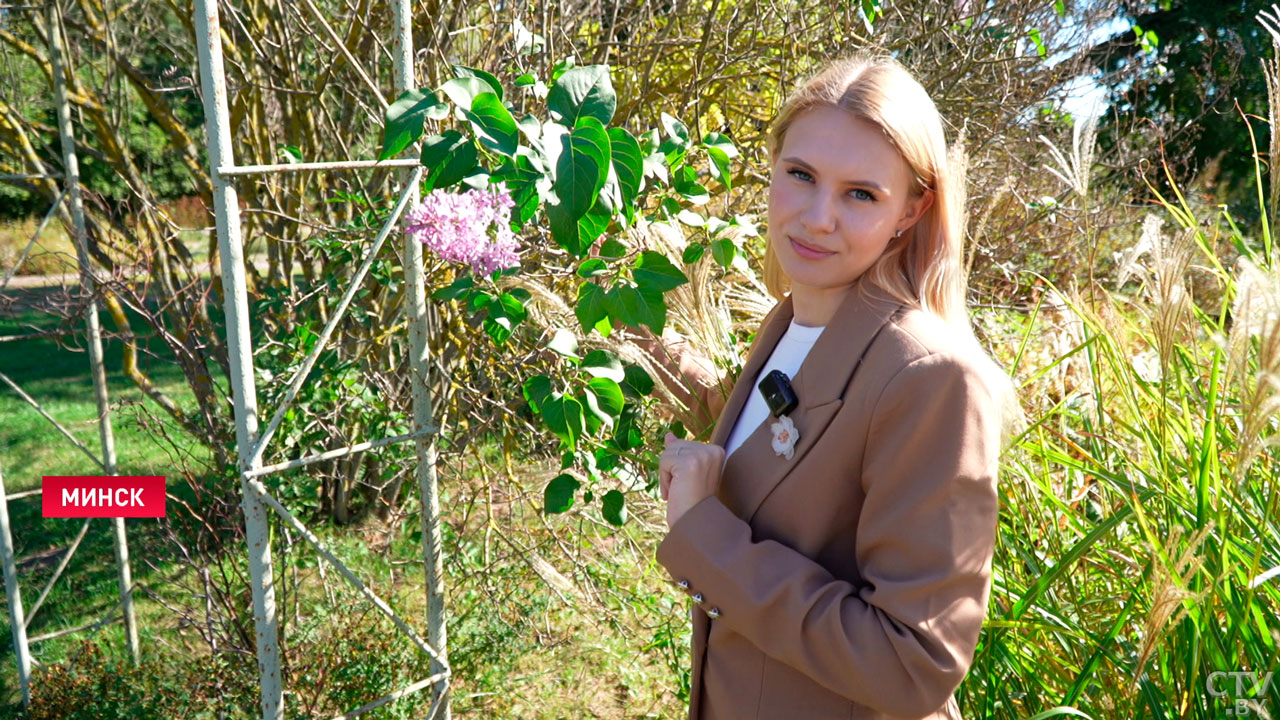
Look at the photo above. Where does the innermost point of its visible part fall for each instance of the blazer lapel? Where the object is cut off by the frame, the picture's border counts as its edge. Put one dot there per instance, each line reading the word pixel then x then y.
pixel 754 469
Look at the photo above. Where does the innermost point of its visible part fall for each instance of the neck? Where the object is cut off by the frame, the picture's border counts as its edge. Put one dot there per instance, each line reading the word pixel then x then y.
pixel 814 307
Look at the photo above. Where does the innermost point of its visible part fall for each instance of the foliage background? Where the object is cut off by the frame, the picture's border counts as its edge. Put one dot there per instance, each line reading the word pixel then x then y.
pixel 1097 579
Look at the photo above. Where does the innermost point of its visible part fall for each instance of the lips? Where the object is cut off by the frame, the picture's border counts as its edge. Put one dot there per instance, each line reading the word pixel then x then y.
pixel 807 251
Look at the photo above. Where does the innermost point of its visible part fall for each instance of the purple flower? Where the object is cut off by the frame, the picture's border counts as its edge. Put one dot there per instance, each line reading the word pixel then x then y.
pixel 455 226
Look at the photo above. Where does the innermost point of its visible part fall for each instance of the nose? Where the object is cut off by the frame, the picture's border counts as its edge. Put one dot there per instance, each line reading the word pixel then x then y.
pixel 819 217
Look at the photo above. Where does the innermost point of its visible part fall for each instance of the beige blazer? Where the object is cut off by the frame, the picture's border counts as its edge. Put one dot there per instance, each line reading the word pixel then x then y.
pixel 850 581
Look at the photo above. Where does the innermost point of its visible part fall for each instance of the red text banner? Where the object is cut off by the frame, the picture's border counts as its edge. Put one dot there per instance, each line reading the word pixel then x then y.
pixel 103 496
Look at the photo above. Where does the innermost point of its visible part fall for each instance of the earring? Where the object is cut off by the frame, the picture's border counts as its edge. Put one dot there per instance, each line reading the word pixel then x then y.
pixel 898 234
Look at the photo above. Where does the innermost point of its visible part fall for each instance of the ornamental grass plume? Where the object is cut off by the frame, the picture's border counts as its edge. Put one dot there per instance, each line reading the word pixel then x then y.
pixel 1254 351
pixel 455 226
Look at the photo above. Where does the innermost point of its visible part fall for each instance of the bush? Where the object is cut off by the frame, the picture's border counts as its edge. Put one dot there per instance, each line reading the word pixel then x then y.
pixel 93 686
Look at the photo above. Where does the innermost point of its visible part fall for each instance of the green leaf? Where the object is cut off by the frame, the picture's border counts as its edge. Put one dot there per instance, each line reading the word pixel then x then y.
pixel 526 80
pixel 564 230
pixel 581 167
pixel 657 309
pixel 596 416
pixel 593 267
pixel 583 92
pixel 615 510
pixel 498 328
pixel 562 67
pixel 565 343
pixel 693 253
pixel 481 300
pixel 493 124
pixel 871 11
pixel 608 393
pixel 605 460
pixel 745 224
pixel 637 306
pixel 526 42
pixel 653 271
pixel 464 89
pixel 720 149
pixel 512 307
pixel 559 494
pixel 626 432
pixel 686 183
pixel 673 152
pixel 531 128
pixel 404 120
pixel 564 417
pixel 691 218
pixel 675 129
pixel 522 179
pixel 590 308
pixel 625 303
pixel 1034 34
pixel 604 364
pixel 628 163
pixel 724 252
pixel 637 378
pixel 448 157
pixel 489 79
pixel 612 249
pixel 593 224
pixel 536 390
pixel 458 289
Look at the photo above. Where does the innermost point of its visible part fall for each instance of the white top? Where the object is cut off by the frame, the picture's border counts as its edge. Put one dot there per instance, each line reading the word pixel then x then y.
pixel 787 357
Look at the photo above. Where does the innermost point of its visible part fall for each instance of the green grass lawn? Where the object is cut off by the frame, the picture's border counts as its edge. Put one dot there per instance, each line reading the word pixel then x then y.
pixel 55 373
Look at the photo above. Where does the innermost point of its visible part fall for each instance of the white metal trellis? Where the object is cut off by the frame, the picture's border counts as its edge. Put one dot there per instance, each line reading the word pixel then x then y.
pixel 71 197
pixel 251 446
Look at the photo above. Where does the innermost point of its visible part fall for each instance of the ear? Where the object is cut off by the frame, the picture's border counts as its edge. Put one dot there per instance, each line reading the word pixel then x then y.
pixel 916 208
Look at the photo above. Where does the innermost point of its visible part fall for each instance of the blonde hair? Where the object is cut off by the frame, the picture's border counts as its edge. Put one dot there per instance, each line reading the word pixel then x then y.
pixel 924 267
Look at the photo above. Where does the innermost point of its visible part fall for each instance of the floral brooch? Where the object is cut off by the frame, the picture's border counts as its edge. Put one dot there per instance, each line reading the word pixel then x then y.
pixel 785 436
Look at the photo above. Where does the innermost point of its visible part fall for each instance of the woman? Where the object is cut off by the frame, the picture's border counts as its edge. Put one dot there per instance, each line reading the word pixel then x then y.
pixel 839 558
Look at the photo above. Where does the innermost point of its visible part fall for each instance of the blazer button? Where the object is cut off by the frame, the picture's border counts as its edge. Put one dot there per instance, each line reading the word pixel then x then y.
pixel 683 584
pixel 713 613
pixel 697 597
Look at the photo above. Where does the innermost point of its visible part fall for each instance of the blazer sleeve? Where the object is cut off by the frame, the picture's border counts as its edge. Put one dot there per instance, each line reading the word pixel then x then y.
pixel 901 641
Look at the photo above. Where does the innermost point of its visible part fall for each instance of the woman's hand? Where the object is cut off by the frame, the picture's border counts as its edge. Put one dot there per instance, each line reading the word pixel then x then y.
pixel 688 472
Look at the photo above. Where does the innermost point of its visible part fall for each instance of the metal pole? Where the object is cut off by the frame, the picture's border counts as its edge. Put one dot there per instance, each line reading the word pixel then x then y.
pixel 71 171
pixel 35 236
pixel 419 362
pixel 338 453
pixel 309 167
pixel 11 591
pixel 244 393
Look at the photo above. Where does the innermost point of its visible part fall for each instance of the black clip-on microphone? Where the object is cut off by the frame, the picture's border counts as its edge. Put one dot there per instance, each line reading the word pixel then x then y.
pixel 778 393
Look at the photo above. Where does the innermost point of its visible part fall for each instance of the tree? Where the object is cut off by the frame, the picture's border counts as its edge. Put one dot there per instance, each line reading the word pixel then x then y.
pixel 1191 68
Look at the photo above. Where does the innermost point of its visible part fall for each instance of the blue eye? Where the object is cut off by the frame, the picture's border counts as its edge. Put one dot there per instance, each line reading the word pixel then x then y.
pixel 805 177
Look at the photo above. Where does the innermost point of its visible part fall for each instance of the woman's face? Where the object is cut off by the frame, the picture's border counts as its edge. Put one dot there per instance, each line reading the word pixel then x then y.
pixel 838 193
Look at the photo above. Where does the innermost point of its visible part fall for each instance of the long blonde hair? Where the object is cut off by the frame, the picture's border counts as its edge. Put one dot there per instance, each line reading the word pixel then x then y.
pixel 924 268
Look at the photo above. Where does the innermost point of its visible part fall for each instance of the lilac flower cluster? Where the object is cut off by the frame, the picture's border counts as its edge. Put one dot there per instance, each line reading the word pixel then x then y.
pixel 455 226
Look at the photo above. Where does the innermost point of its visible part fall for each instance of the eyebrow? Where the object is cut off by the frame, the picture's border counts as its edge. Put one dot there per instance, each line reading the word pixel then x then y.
pixel 864 183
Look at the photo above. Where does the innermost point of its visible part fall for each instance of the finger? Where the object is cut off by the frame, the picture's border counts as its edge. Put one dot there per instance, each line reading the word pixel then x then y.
pixel 664 482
